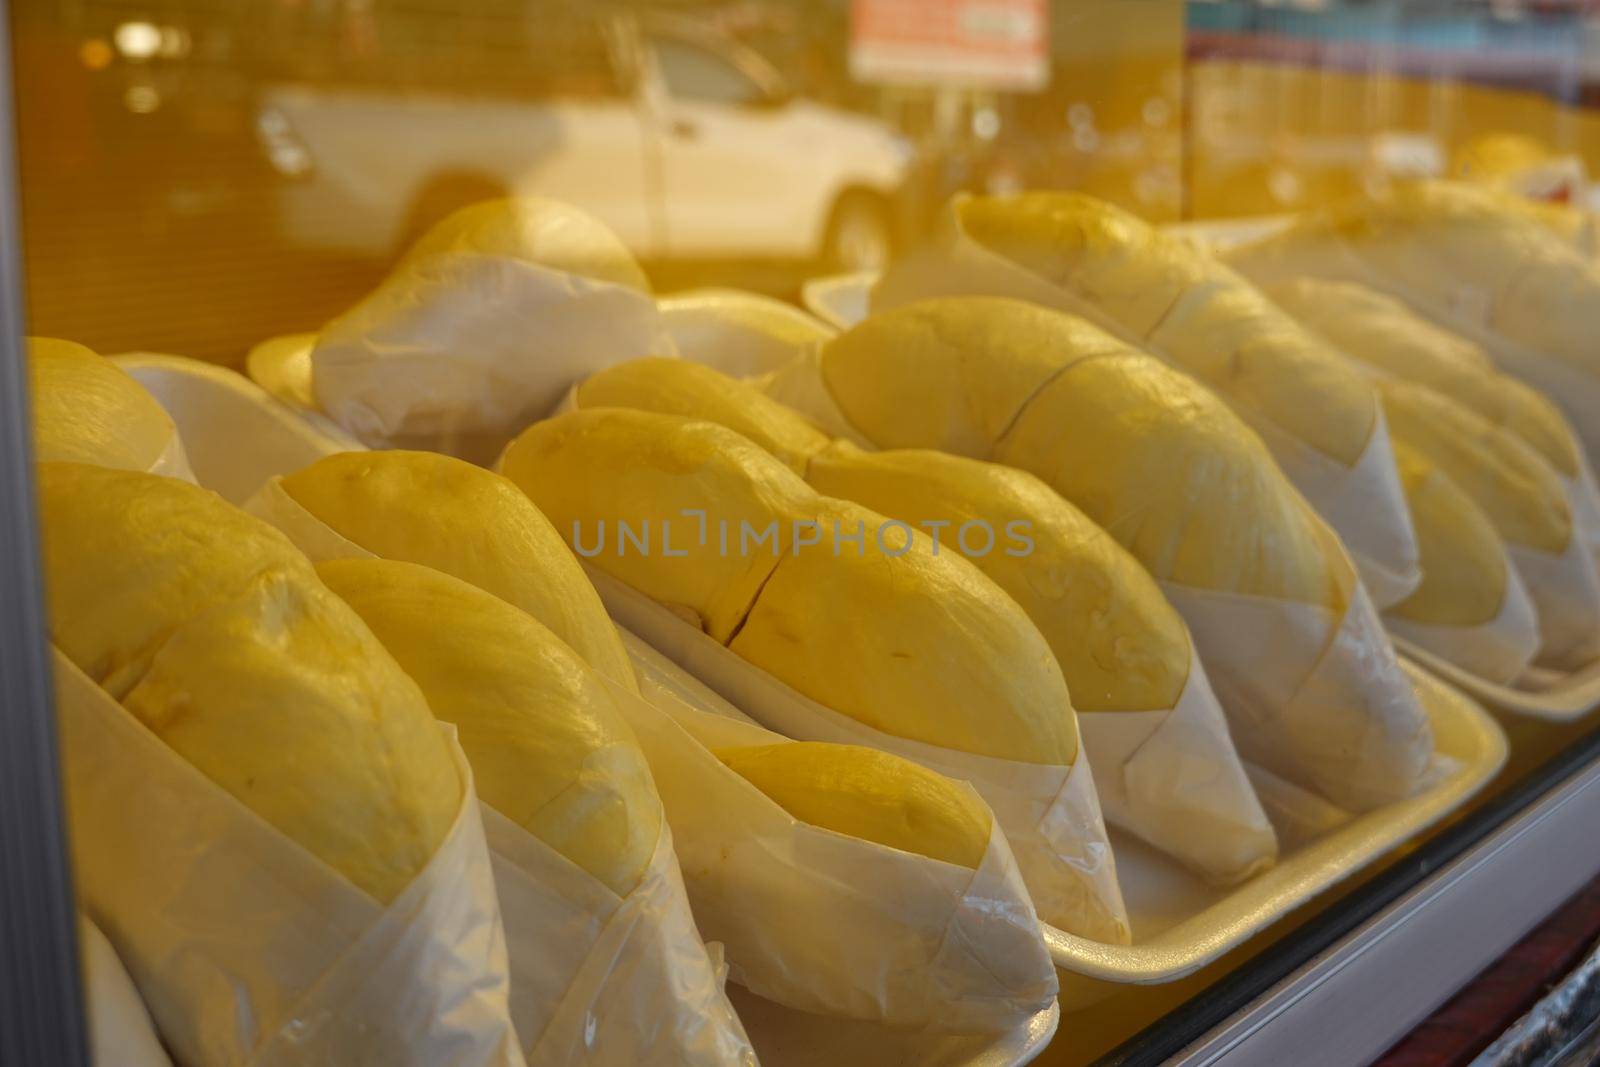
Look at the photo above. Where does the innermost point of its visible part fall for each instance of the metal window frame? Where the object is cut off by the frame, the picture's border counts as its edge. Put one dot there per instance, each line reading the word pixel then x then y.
pixel 41 997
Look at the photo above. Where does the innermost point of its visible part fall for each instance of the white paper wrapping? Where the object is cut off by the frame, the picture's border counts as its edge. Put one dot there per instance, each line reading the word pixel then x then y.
pixel 606 980
pixel 1173 778
pixel 1565 590
pixel 1363 502
pixel 247 949
pixel 1313 696
pixel 595 979
pixel 120 1031
pixel 834 924
pixel 1050 815
pixel 739 333
pixel 1498 650
pixel 467 343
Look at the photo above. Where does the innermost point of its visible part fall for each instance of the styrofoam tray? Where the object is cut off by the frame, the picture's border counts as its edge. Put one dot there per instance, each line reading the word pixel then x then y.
pixel 1540 694
pixel 237 437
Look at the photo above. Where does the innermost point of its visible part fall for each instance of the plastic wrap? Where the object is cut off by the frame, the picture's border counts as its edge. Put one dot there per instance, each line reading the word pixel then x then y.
pixel 736 332
pixel 249 950
pixel 1498 650
pixel 638 964
pixel 834 924
pixel 1566 595
pixel 1363 502
pixel 1050 815
pixel 1314 696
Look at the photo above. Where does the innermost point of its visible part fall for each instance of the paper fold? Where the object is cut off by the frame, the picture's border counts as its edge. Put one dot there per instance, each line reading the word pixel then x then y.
pixel 1173 778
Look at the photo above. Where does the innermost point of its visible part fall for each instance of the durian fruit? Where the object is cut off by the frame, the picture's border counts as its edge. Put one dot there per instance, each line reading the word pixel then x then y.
pixel 914 644
pixel 1455 252
pixel 1517 490
pixel 1145 452
pixel 1464 567
pixel 1383 333
pixel 549 749
pixel 862 792
pixel 663 503
pixel 1170 294
pixel 217 635
pixel 917 645
pixel 683 387
pixel 1120 644
pixel 445 513
pixel 86 409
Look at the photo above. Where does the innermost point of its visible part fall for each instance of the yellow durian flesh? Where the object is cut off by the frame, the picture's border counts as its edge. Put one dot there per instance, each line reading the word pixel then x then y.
pixel 1382 332
pixel 1165 290
pixel 683 387
pixel 924 376
pixel 1517 490
pixel 550 233
pixel 1174 476
pixel 595 469
pixel 1464 568
pixel 549 749
pixel 445 513
pixel 210 628
pixel 86 409
pixel 284 699
pixel 913 644
pixel 1120 645
pixel 193 549
pixel 862 792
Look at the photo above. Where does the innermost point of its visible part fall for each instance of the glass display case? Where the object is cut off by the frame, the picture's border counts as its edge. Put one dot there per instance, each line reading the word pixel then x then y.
pixel 1258 332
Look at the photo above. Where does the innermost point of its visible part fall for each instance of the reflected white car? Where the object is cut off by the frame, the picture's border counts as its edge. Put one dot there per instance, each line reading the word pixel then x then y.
pixel 687 145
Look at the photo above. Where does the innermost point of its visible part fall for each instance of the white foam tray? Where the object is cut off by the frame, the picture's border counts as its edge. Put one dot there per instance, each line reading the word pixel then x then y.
pixel 237 437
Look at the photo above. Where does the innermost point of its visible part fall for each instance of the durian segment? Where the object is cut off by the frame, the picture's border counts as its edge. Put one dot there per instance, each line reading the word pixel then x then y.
pixel 549 749
pixel 1382 332
pixel 1120 645
pixel 230 650
pixel 283 698
pixel 876 796
pixel 1517 490
pixel 534 229
pixel 445 513
pixel 1169 472
pixel 128 557
pixel 86 409
pixel 1464 566
pixel 1145 451
pixel 1459 248
pixel 682 387
pixel 599 470
pixel 1172 294
pixel 913 644
pixel 948 392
